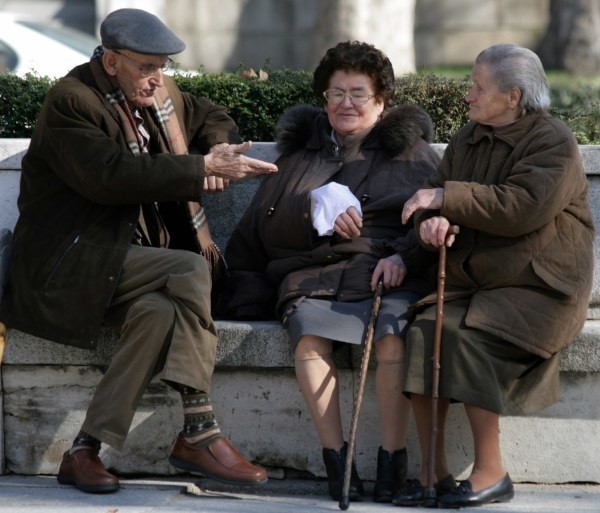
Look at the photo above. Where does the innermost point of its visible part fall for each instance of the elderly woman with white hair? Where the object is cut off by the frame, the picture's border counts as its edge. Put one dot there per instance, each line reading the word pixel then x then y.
pixel 518 274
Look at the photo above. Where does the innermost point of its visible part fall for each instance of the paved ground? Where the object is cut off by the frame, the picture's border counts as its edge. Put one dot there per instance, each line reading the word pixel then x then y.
pixel 44 495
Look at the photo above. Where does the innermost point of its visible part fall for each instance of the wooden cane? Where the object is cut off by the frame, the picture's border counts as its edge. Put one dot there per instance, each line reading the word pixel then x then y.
pixel 362 377
pixel 430 494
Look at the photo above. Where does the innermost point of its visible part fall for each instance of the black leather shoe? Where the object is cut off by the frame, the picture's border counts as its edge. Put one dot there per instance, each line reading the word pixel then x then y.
pixel 335 466
pixel 463 495
pixel 391 474
pixel 414 493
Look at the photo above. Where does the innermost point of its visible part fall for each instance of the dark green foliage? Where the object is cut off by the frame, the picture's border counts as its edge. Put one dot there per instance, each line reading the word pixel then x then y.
pixel 20 103
pixel 257 104
pixel 442 98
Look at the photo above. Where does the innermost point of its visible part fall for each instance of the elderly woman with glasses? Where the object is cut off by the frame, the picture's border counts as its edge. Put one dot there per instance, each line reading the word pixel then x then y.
pixel 320 235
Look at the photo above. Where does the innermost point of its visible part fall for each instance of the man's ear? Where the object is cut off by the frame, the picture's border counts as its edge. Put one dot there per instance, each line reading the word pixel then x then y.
pixel 109 62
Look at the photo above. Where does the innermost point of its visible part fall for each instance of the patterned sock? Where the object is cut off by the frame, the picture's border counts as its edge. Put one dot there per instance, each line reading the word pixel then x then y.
pixel 199 424
pixel 83 440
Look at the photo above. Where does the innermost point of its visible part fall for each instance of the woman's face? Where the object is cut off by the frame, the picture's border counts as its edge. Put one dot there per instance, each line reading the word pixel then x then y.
pixel 345 117
pixel 487 105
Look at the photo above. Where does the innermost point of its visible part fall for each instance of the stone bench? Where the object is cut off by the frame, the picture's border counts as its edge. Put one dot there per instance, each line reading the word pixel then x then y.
pixel 46 387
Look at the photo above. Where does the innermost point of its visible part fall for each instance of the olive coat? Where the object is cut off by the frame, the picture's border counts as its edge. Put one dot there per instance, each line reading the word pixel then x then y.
pixel 275 254
pixel 79 204
pixel 524 253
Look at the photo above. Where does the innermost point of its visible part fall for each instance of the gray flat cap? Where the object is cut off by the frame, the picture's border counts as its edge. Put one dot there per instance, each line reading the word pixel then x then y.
pixel 140 32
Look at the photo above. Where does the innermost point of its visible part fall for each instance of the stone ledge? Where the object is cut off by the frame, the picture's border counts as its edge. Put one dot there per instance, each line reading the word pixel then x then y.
pixel 257 344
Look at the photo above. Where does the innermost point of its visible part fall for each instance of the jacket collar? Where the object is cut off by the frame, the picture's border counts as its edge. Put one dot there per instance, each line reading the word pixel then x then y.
pixel 510 134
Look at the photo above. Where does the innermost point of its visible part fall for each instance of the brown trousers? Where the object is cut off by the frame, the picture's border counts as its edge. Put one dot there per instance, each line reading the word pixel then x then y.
pixel 162 307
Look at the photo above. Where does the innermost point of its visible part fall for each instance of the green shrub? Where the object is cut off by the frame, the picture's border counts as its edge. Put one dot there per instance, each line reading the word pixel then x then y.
pixel 20 103
pixel 256 105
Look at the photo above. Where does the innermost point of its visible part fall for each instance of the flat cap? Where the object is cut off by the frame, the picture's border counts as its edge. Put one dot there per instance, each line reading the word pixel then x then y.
pixel 140 32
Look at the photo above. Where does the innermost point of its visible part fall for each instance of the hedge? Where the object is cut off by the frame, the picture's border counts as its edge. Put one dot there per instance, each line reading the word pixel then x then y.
pixel 256 104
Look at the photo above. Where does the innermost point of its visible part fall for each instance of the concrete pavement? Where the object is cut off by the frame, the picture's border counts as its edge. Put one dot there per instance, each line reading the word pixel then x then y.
pixel 37 494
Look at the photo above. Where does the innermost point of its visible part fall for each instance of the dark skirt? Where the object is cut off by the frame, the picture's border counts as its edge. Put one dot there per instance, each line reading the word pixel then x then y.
pixel 478 368
pixel 344 321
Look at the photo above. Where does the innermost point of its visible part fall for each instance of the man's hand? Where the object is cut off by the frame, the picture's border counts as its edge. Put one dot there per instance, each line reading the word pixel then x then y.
pixel 228 162
pixel 423 198
pixel 348 224
pixel 390 270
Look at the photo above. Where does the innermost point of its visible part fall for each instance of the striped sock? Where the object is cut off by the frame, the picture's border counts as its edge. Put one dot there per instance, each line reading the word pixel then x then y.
pixel 199 424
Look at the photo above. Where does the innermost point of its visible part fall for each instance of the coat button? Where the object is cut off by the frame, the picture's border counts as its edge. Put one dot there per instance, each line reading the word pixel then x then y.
pixel 111 278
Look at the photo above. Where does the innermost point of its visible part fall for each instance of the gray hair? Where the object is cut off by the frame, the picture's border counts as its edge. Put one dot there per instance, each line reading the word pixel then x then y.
pixel 515 66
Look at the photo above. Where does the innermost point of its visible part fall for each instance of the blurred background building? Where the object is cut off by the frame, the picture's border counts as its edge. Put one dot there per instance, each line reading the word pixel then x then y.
pixel 226 34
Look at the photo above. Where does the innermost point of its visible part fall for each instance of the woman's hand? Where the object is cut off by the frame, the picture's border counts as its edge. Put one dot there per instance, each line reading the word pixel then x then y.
pixel 423 198
pixel 391 271
pixel 436 231
pixel 348 224
pixel 215 184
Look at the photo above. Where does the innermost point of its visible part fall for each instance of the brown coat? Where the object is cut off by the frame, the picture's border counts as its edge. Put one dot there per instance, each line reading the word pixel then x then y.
pixel 525 250
pixel 275 245
pixel 79 203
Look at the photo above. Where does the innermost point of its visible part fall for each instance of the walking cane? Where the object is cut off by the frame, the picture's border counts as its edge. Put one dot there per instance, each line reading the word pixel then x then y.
pixel 430 493
pixel 362 377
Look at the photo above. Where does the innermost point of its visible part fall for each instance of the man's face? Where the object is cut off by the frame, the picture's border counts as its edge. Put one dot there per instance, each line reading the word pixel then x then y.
pixel 138 75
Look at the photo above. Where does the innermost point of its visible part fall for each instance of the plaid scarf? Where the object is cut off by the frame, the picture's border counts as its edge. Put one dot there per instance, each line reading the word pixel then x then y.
pixel 137 140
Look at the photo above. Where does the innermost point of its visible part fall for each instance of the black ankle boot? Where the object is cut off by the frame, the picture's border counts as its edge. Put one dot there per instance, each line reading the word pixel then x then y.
pixel 335 464
pixel 391 474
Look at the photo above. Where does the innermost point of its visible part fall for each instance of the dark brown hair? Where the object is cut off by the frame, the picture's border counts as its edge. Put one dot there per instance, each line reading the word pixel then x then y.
pixel 358 57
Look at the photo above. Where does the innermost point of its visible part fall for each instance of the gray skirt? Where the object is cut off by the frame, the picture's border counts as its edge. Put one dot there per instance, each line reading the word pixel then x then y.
pixel 478 368
pixel 345 321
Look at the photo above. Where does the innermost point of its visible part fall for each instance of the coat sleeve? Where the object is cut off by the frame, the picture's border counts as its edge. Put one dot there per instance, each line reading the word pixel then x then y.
pixel 83 145
pixel 539 185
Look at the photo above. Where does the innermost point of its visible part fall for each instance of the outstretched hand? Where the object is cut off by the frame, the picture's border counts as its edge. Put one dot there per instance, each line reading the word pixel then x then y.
pixel 227 161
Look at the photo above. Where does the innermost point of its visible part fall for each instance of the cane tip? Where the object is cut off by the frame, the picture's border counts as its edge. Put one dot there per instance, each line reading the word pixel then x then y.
pixel 344 502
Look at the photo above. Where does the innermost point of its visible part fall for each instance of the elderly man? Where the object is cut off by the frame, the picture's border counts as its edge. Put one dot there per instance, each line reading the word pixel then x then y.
pixel 111 232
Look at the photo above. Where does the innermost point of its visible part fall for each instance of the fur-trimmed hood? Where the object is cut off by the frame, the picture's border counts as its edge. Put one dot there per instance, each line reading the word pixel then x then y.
pixel 399 127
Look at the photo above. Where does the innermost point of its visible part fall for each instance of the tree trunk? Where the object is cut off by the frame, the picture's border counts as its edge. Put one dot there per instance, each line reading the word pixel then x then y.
pixel 386 24
pixel 572 40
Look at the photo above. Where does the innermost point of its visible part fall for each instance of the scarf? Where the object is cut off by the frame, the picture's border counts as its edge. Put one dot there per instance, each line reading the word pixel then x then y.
pixel 137 139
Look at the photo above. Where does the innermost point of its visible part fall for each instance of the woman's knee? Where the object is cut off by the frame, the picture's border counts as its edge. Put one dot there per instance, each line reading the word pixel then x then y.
pixel 390 348
pixel 310 347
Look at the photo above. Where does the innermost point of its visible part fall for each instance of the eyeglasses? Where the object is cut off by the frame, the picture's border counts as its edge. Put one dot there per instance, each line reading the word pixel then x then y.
pixel 147 70
pixel 335 97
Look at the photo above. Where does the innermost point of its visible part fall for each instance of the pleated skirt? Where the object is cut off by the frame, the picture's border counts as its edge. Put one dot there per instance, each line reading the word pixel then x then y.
pixel 344 321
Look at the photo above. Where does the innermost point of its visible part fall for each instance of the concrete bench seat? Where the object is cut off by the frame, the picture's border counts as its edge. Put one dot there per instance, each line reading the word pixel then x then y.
pixel 46 387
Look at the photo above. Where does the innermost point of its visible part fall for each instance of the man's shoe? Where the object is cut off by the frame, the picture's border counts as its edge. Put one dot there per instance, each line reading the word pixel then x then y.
pixel 218 460
pixel 463 495
pixel 85 471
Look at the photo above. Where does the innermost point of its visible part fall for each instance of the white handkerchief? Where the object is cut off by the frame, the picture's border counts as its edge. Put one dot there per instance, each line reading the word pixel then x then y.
pixel 329 201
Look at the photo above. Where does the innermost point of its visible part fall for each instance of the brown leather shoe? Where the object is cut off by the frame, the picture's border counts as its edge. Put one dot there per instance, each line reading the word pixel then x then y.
pixel 85 471
pixel 218 460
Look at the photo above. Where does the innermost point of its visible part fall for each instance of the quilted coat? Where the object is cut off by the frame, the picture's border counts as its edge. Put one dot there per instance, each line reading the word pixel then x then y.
pixel 525 248
pixel 275 254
